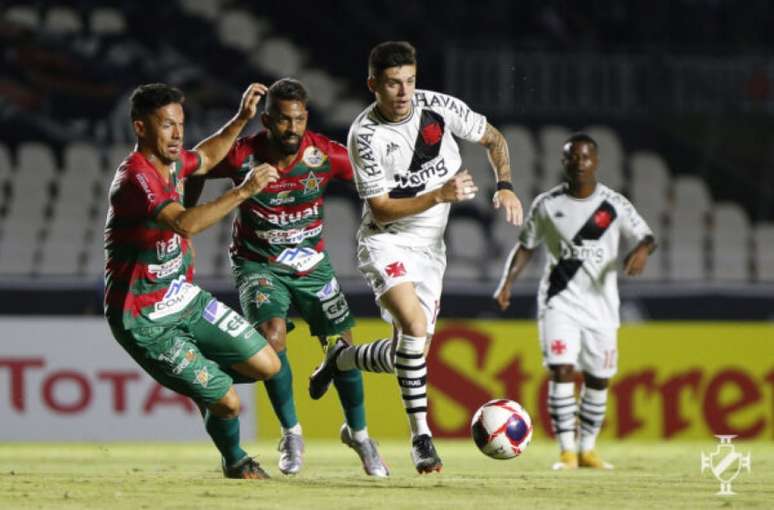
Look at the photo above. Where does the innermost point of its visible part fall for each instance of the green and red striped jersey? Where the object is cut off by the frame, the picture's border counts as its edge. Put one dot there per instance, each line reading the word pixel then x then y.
pixel 283 223
pixel 148 268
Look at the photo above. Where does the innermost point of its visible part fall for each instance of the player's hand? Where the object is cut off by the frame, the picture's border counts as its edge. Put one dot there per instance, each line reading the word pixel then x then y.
pixel 635 261
pixel 459 188
pixel 503 296
pixel 512 205
pixel 258 178
pixel 250 99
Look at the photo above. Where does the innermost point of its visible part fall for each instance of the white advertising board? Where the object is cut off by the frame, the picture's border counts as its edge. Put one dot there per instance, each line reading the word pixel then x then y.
pixel 67 379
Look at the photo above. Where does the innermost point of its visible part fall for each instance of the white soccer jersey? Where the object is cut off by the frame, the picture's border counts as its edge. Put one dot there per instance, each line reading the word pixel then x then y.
pixel 409 158
pixel 581 237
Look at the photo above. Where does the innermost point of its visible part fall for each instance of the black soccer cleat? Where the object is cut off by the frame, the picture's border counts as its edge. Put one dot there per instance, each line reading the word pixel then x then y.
pixel 246 469
pixel 321 378
pixel 423 454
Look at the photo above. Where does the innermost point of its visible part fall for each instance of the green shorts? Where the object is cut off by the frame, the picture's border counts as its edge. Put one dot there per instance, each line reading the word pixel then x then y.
pixel 194 357
pixel 267 293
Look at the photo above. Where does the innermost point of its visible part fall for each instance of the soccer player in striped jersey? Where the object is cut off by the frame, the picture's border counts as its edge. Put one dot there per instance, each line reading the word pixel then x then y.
pixel 177 332
pixel 580 224
pixel 408 171
pixel 278 258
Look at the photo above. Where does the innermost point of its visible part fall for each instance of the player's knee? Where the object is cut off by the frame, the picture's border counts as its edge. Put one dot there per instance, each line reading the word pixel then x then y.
pixel 275 333
pixel 414 325
pixel 595 383
pixel 228 406
pixel 562 373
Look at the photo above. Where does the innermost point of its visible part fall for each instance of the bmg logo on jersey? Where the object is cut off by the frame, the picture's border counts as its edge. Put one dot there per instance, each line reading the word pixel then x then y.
pixel 725 463
pixel 423 175
pixel 594 254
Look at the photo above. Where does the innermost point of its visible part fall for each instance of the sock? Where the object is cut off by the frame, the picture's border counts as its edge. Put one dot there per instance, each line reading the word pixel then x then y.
pixel 373 357
pixel 349 386
pixel 280 391
pixel 359 435
pixel 592 414
pixel 225 434
pixel 411 369
pixel 295 429
pixel 562 408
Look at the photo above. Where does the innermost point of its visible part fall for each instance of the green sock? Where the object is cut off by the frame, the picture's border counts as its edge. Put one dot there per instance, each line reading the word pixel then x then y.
pixel 225 434
pixel 349 385
pixel 280 390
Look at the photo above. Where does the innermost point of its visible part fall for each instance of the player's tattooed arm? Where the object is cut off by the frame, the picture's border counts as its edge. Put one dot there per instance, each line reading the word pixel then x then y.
pixel 497 150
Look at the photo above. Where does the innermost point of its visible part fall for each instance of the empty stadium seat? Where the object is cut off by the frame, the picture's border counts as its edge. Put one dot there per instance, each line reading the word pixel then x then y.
pixel 321 86
pixel 611 156
pixel 279 57
pixel 763 255
pixel 342 220
pixel 344 112
pixel 475 159
pixel 551 140
pixel 107 21
pixel 239 29
pixel 63 20
pixel 649 185
pixel 467 249
pixel 209 9
pixel 22 15
pixel 730 243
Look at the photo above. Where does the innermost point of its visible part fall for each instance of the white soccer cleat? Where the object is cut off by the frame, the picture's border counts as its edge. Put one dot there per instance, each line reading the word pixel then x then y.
pixel 373 464
pixel 291 448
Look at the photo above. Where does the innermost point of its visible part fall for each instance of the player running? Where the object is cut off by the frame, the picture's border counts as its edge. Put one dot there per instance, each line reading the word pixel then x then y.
pixel 580 223
pixel 178 333
pixel 407 169
pixel 279 259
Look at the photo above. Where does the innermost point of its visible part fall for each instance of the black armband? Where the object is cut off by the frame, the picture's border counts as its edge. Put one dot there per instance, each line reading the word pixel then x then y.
pixel 504 185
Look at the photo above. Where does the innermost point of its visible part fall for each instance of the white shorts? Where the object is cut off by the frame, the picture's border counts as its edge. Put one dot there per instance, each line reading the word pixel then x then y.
pixel 565 342
pixel 385 265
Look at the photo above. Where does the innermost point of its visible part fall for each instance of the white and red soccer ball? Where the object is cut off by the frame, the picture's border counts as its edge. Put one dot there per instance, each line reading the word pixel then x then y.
pixel 502 429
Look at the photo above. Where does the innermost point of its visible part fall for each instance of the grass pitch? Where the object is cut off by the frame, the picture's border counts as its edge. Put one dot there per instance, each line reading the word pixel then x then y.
pixel 186 476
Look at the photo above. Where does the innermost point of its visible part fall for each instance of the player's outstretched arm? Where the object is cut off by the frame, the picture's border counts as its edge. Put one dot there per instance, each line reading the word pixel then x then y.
pixel 499 158
pixel 188 222
pixel 457 189
pixel 517 261
pixel 215 147
pixel 634 263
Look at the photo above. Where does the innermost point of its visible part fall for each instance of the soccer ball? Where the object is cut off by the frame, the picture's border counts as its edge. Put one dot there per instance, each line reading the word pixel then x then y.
pixel 502 429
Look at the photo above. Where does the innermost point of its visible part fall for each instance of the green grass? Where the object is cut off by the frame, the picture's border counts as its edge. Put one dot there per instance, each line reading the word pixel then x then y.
pixel 185 476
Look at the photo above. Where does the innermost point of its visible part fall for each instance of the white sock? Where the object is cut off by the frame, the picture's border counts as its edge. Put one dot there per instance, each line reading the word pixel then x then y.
pixel 592 415
pixel 358 435
pixel 295 429
pixel 372 357
pixel 562 407
pixel 411 369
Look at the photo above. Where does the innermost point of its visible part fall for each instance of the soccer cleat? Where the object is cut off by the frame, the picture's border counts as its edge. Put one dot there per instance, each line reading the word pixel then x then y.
pixel 321 378
pixel 591 459
pixel 423 454
pixel 567 460
pixel 291 448
pixel 245 469
pixel 373 464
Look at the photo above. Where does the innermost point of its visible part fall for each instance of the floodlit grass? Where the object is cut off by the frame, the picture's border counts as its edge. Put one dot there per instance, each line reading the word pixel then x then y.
pixel 186 476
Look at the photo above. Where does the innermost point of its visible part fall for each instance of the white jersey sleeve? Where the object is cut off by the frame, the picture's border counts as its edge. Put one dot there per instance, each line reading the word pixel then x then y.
pixel 365 156
pixel 531 235
pixel 461 120
pixel 633 226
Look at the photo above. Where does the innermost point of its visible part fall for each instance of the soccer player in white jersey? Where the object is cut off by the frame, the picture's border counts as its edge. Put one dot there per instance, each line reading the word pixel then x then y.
pixel 407 169
pixel 580 223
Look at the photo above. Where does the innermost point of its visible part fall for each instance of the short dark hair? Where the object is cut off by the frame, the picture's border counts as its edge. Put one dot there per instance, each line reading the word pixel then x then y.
pixel 581 137
pixel 286 89
pixel 148 98
pixel 391 54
